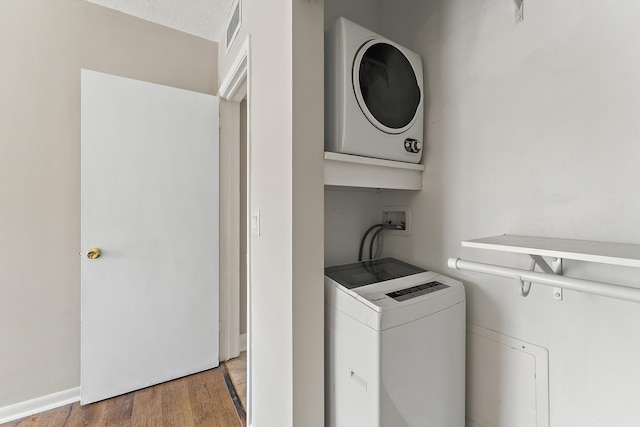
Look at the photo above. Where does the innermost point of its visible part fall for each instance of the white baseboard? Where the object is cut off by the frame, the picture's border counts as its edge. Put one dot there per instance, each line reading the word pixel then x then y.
pixel 242 342
pixel 39 404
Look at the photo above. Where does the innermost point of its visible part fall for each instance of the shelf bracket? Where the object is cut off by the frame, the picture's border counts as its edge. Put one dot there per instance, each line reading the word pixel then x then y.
pixel 554 268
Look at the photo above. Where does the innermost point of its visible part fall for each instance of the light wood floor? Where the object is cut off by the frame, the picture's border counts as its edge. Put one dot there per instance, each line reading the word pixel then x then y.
pixel 197 400
pixel 237 369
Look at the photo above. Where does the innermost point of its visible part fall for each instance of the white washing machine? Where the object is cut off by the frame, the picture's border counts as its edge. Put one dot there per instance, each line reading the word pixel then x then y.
pixel 373 95
pixel 394 346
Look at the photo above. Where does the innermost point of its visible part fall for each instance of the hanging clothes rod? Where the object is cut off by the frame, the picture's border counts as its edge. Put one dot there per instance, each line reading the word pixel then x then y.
pixel 580 285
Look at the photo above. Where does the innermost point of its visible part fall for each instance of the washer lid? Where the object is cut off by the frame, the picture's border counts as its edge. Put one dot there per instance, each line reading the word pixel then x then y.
pixel 386 86
pixel 365 273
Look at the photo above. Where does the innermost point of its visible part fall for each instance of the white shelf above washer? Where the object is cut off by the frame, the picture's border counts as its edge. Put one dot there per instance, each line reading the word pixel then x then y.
pixel 580 250
pixel 345 170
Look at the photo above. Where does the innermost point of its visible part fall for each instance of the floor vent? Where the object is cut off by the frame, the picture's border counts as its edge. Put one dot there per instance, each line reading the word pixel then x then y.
pixel 233 26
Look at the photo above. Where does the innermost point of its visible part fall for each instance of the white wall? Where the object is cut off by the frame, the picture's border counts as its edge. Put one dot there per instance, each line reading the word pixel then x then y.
pixel 308 208
pixel 347 215
pixel 532 129
pixel 363 12
pixel 286 184
pixel 44 44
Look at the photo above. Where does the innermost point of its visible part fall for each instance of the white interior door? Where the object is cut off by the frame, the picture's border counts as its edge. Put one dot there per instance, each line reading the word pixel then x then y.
pixel 150 203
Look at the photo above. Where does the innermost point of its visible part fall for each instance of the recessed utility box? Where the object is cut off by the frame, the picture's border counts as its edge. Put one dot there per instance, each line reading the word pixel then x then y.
pixel 396 215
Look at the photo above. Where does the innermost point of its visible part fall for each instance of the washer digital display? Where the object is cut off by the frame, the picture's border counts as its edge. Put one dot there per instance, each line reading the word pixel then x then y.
pixel 416 291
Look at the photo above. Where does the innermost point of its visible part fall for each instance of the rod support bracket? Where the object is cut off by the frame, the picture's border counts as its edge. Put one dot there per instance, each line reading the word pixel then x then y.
pixel 525 287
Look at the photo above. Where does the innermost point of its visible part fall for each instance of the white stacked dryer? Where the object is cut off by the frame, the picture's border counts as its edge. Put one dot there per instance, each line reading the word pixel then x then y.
pixel 373 95
pixel 394 346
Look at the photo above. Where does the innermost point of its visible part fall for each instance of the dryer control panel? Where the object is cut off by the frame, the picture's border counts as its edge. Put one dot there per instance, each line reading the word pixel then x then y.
pixel 412 145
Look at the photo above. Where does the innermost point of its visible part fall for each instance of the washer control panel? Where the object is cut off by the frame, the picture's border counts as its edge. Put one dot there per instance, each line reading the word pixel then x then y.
pixel 412 145
pixel 416 291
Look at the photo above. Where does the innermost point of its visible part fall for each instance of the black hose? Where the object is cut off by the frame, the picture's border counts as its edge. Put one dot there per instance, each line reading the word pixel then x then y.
pixel 375 235
pixel 364 237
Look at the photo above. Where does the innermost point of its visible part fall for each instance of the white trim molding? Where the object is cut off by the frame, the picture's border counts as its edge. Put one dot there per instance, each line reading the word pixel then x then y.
pixel 232 91
pixel 39 404
pixel 233 87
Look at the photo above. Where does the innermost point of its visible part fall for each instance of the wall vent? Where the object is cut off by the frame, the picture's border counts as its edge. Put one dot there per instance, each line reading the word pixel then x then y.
pixel 233 26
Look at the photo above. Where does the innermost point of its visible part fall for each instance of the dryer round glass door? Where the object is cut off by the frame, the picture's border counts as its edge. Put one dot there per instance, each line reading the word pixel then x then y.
pixel 386 86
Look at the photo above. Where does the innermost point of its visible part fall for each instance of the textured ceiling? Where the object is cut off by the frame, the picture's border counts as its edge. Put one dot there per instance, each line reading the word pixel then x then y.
pixel 202 18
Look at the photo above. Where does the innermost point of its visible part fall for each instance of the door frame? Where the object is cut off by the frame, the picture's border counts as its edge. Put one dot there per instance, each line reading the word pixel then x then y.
pixel 234 88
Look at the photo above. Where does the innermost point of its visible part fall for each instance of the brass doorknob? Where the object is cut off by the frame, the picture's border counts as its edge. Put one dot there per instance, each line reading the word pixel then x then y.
pixel 94 253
